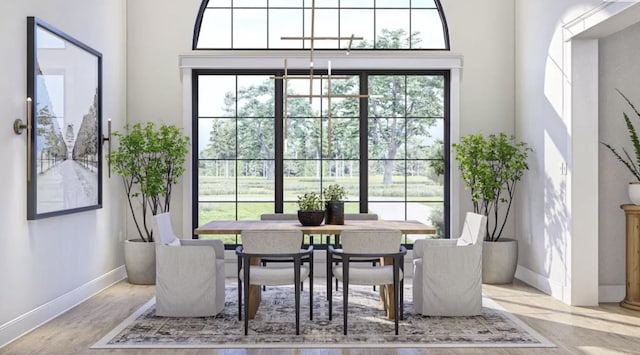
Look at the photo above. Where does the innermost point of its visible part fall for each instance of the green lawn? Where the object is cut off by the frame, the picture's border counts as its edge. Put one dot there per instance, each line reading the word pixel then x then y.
pixel 255 195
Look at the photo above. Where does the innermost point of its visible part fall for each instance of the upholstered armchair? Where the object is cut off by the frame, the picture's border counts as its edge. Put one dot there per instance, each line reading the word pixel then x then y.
pixel 273 244
pixel 367 244
pixel 447 273
pixel 190 278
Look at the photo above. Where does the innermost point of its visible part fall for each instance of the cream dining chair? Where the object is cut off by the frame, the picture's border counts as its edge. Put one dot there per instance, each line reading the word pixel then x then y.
pixel 367 244
pixel 279 244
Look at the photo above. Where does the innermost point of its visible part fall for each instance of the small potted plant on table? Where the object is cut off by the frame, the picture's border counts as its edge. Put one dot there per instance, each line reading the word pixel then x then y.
pixel 333 195
pixel 310 212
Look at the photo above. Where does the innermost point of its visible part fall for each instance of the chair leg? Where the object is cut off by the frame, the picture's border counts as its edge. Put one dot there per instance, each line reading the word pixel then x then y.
pixel 329 277
pixel 345 293
pixel 396 296
pixel 240 285
pixel 246 298
pixel 329 286
pixel 402 299
pixel 264 264
pixel 239 290
pixel 311 288
pixel 297 294
pixel 373 263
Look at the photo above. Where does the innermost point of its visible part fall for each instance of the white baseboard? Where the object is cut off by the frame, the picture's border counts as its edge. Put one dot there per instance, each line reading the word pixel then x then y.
pixel 606 293
pixel 611 293
pixel 31 320
pixel 542 283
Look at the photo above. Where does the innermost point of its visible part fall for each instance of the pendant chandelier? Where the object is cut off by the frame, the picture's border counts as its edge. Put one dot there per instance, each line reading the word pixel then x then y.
pixel 311 76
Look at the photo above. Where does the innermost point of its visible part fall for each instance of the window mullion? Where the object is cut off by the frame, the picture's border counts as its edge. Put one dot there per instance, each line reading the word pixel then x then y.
pixel 279 145
pixel 364 145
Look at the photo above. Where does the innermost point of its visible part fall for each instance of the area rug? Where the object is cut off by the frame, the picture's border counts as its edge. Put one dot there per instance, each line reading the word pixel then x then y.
pixel 274 326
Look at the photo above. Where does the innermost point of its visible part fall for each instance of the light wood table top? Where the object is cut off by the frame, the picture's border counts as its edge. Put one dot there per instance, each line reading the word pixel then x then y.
pixel 236 227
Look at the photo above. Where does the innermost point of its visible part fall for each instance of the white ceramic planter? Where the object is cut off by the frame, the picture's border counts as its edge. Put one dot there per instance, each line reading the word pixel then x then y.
pixel 140 262
pixel 499 261
pixel 634 192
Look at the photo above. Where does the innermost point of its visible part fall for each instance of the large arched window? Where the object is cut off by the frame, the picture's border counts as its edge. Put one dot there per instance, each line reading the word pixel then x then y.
pixel 262 24
pixel 259 142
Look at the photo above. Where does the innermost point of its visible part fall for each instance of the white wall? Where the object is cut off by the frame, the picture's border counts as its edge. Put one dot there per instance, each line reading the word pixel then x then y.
pixel 52 264
pixel 156 35
pixel 483 32
pixel 619 69
pixel 572 237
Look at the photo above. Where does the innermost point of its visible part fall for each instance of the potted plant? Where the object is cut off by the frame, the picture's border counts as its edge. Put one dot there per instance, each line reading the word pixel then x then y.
pixel 310 212
pixel 633 164
pixel 150 161
pixel 490 168
pixel 333 195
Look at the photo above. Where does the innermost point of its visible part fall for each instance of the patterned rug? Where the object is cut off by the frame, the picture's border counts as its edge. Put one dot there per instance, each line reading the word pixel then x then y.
pixel 274 326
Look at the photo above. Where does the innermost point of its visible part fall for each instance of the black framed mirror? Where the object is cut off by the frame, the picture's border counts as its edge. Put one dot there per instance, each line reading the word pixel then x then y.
pixel 64 82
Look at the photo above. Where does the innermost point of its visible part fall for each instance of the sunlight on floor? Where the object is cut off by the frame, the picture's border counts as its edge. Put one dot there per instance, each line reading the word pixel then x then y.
pixel 600 350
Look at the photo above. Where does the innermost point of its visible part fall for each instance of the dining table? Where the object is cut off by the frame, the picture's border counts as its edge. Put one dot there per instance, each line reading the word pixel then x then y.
pixel 387 295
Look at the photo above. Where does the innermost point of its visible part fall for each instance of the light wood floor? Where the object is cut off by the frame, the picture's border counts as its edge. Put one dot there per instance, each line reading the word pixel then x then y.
pixel 607 329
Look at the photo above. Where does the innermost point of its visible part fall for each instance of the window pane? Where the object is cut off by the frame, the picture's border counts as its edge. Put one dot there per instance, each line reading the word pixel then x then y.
pixel 378 20
pixel 250 3
pixel 344 136
pixel 250 28
pixel 435 217
pixel 217 138
pixel 255 96
pixel 387 96
pixel 429 27
pixel 322 3
pixel 423 3
pixel 285 3
pixel 425 96
pixel 255 138
pixel 341 106
pixel 255 180
pixel 300 106
pixel 356 3
pixel 346 174
pixel 422 182
pixel 395 22
pixel 253 210
pixel 386 136
pixel 285 23
pixel 302 138
pixel 326 25
pixel 301 176
pixel 358 23
pixel 388 210
pixel 215 31
pixel 290 207
pixel 392 3
pixel 386 183
pixel 219 3
pixel 217 180
pixel 218 211
pixel 425 138
pixel 216 95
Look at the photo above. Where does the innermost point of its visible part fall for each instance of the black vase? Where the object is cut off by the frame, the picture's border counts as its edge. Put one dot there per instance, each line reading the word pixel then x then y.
pixel 311 218
pixel 335 212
